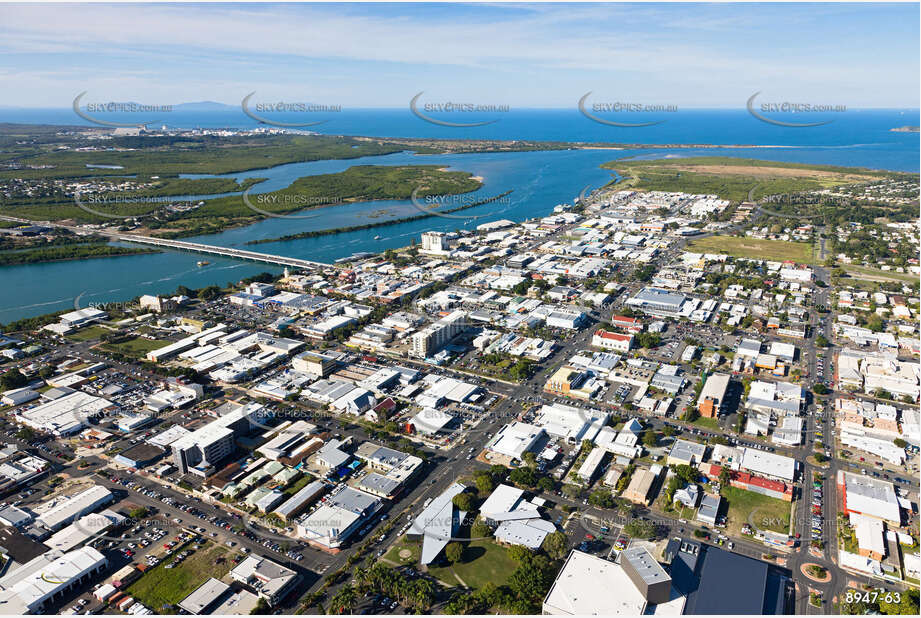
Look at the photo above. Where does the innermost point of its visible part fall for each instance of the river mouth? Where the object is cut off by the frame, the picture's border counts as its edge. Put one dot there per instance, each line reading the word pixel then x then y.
pixel 539 180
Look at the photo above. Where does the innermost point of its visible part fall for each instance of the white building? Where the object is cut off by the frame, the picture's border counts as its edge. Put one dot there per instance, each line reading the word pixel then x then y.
pixel 37 586
pixel 431 339
pixel 612 341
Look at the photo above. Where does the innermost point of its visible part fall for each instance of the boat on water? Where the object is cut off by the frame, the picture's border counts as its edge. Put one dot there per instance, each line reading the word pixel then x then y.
pixel 203 263
pixel 378 237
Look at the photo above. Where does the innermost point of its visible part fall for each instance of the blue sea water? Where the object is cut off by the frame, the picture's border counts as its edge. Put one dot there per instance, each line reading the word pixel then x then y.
pixel 537 181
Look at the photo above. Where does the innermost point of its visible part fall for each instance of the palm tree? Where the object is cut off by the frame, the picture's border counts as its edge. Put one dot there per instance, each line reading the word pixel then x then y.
pixel 343 601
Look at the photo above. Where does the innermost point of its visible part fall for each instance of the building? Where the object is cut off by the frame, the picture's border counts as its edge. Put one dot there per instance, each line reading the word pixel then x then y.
pixel 715 581
pixel 82 317
pixel 646 574
pixel 658 302
pixel 437 524
pixel 567 318
pixel 643 485
pixel 685 452
pixel 590 466
pixel 343 514
pixel 869 497
pixel 157 304
pixel 570 423
pixel 517 520
pixel 426 342
pixel 315 363
pixel 436 242
pixel 515 439
pixel 709 509
pixel 713 395
pixel 770 465
pixel 777 398
pixel 612 341
pixel 206 598
pixel 39 585
pixel 269 580
pixel 69 509
pixel 66 415
pixel 203 449
pixel 588 585
pixel 299 501
pixel 393 468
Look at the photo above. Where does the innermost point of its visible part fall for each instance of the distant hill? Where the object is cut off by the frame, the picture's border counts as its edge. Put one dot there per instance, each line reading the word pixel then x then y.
pixel 204 106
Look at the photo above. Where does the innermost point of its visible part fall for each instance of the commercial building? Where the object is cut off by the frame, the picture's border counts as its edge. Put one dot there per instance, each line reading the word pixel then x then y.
pixel 646 574
pixel 869 497
pixel 206 598
pixel 770 465
pixel 726 583
pixel 203 449
pixel 515 439
pixel 331 525
pixel 713 395
pixel 612 341
pixel 588 585
pixel 778 398
pixel 570 423
pixel 66 415
pixel 39 585
pixel 69 509
pixel 299 501
pixel 315 363
pixel 590 466
pixel 658 302
pixel 270 580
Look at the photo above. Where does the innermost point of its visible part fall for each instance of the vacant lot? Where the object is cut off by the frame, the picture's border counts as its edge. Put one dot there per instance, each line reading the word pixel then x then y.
pixel 137 347
pixel 753 248
pixel 89 333
pixel 162 587
pixel 483 561
pixel 875 274
pixel 760 511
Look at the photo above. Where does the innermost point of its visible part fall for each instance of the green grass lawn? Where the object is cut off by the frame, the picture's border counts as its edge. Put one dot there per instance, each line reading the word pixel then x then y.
pixel 483 561
pixel 161 586
pixel 749 507
pixel 707 423
pixel 137 347
pixel 754 248
pixel 89 333
pixel 414 549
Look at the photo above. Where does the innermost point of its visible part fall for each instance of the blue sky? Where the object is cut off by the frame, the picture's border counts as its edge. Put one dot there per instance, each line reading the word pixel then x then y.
pixel 523 55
